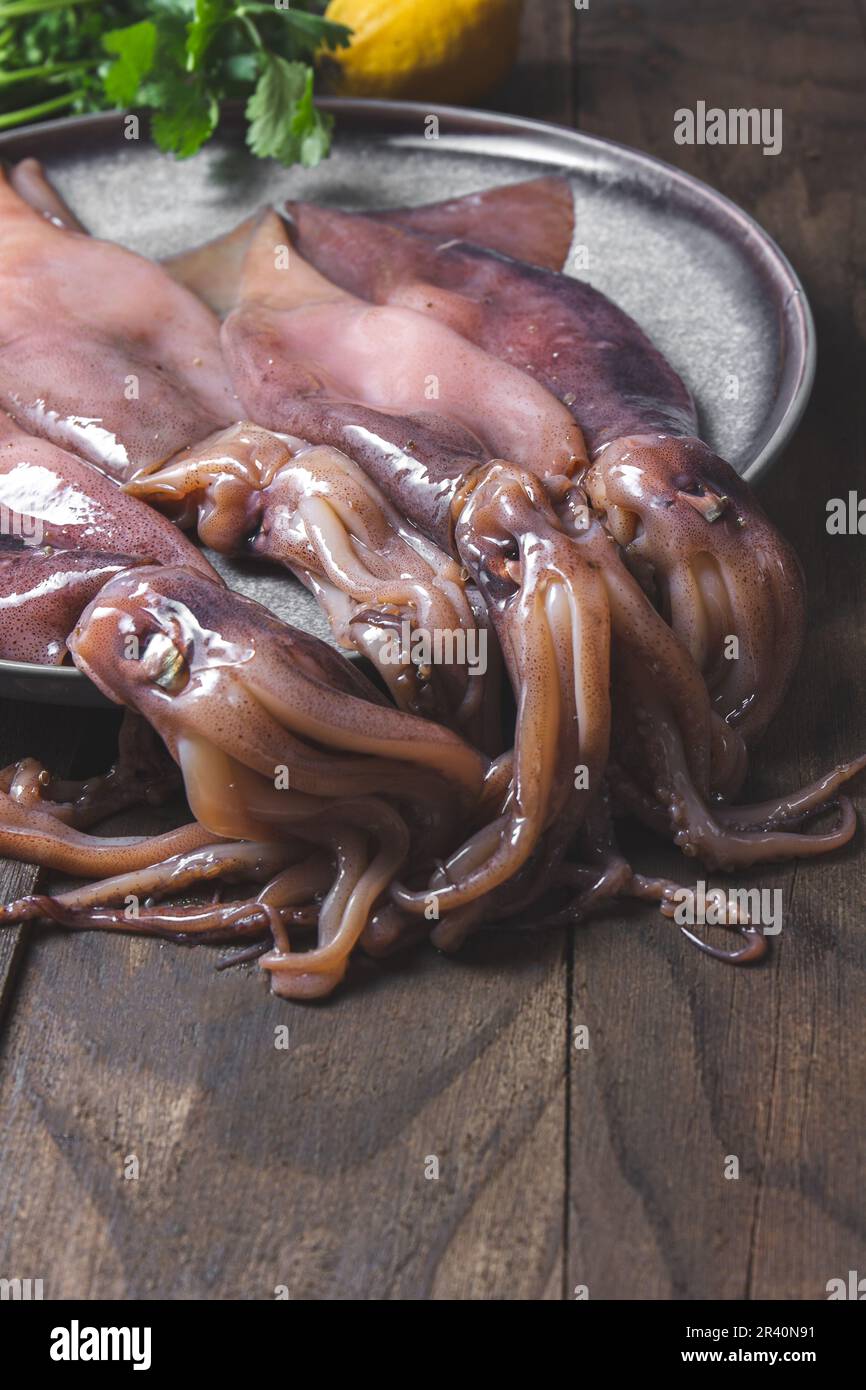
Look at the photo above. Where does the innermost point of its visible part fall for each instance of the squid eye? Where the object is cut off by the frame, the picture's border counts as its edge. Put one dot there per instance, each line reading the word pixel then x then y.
pixel 165 664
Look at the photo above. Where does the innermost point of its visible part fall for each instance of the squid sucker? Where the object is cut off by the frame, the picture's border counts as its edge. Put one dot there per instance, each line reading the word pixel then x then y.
pixel 480 467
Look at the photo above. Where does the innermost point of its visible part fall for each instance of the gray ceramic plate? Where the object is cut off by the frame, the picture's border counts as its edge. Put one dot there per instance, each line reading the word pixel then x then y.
pixel 709 286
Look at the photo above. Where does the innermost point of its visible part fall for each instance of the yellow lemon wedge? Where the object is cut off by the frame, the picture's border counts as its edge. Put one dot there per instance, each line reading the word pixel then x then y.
pixel 424 50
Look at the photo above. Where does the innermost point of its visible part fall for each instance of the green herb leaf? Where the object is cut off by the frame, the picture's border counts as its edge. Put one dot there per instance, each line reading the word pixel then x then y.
pixel 309 31
pixel 284 123
pixel 271 107
pixel 135 48
pixel 210 16
pixel 180 58
pixel 311 127
pixel 187 117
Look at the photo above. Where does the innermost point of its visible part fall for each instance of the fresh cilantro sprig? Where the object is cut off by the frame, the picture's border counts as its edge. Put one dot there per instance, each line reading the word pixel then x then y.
pixel 182 59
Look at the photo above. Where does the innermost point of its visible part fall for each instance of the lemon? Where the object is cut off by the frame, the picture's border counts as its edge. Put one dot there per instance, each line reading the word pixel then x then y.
pixel 425 50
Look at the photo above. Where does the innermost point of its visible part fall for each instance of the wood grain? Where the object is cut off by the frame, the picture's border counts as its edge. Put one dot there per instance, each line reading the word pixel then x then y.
pixel 690 1062
pixel 54 736
pixel 304 1167
pixel 558 1167
pixel 260 1168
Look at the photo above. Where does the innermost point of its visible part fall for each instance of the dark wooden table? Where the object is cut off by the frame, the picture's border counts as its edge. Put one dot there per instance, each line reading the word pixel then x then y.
pixel 305 1167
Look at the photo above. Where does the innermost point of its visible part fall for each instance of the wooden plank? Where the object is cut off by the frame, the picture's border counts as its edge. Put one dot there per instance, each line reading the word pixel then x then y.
pixel 542 83
pixel 305 1168
pixel 302 1167
pixel 53 736
pixel 690 1062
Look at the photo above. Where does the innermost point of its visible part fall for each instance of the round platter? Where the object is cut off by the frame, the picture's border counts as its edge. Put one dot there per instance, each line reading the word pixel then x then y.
pixel 714 292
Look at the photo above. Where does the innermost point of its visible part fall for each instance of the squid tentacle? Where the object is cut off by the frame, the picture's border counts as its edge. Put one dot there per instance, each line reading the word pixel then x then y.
pixel 693 823
pixel 223 860
pixel 40 838
pixel 552 617
pixel 312 509
pixel 732 587
pixel 143 773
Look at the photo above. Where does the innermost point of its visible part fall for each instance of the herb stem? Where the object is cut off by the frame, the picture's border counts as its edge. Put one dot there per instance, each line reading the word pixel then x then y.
pixel 251 29
pixel 15 9
pixel 33 113
pixel 49 70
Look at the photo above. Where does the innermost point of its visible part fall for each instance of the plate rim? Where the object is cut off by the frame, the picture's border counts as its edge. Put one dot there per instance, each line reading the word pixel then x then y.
pixel 799 324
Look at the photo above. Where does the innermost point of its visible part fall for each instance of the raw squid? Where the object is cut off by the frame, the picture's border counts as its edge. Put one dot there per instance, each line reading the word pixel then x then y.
pixel 381 582
pixel 552 578
pixel 350 549
pixel 50 496
pixel 42 596
pixel 52 503
pixel 688 525
pixel 100 350
pixel 303 354
pixel 532 220
pixel 294 333
pixel 444 437
pixel 283 747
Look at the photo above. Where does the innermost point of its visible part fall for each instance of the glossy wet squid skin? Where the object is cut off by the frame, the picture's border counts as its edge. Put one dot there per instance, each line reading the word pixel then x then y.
pixel 100 350
pixel 382 583
pixel 42 597
pixel 446 692
pixel 211 669
pixel 300 775
pixel 230 690
pixel 410 400
pixel 298 349
pixel 689 526
pixel 51 496
pixel 276 734
pixel 284 344
pixel 68 530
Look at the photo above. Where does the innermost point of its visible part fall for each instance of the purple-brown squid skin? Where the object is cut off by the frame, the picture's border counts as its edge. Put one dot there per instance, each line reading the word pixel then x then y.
pixel 248 491
pixel 763 582
pixel 287 346
pixel 237 695
pixel 550 612
pixel 533 220
pixel 573 340
pixel 296 342
pixel 692 529
pixel 42 594
pixel 414 404
pixel 729 584
pixel 280 742
pixel 36 836
pixel 299 377
pixel 51 497
pixel 29 180
pixel 243 702
pixel 561 598
pixel 100 350
pixel 67 529
pixel 719 835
